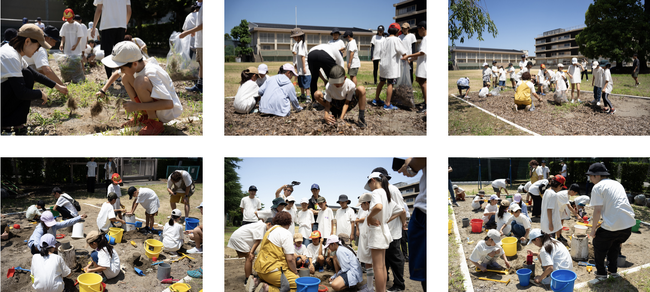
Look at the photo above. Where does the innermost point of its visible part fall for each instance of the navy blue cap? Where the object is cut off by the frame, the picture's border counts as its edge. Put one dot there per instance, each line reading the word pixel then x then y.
pixel 315 186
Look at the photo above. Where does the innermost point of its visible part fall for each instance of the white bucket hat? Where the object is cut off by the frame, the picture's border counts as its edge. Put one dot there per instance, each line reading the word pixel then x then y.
pixel 123 52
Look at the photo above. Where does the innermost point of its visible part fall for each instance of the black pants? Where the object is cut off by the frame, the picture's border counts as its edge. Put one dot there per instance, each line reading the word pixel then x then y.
pixel 411 66
pixel 319 59
pixel 608 244
pixel 65 213
pixel 403 245
pixel 537 205
pixel 375 68
pixel 91 184
pixel 584 73
pixel 14 110
pixel 606 100
pixel 110 37
pixel 395 262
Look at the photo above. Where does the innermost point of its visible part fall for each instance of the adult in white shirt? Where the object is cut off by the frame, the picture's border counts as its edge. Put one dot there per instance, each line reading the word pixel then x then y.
pixel 91 174
pixel 173 233
pixel 249 206
pixel 114 187
pixel 409 41
pixel 574 77
pixel 107 214
pixel 114 15
pixel 245 241
pixel 180 187
pixel 104 257
pixel 553 255
pixel 609 200
pixel 48 268
pixel 551 221
pixel 323 56
pixel 149 201
pixel 421 63
pixel 375 50
pixel 64 204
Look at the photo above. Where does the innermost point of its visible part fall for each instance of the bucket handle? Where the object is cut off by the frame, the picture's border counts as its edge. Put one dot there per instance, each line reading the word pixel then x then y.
pixel 101 288
pixel 564 286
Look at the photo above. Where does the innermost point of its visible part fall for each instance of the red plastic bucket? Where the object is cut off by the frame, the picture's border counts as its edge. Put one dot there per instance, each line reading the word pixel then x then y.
pixel 322 288
pixel 477 225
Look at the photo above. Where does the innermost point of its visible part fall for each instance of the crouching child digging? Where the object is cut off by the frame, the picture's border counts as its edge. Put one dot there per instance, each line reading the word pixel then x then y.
pixel 150 88
pixel 340 96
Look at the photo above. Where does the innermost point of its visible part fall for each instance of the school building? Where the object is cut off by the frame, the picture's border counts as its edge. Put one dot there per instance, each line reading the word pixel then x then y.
pixel 49 11
pixel 409 193
pixel 473 58
pixel 558 46
pixel 273 42
pixel 411 11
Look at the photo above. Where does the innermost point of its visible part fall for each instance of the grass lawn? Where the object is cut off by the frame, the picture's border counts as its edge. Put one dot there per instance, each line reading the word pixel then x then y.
pixel 233 77
pixel 455 280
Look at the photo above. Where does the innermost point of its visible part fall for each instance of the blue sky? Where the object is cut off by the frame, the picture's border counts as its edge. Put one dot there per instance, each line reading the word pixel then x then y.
pixel 335 176
pixel 361 14
pixel 520 22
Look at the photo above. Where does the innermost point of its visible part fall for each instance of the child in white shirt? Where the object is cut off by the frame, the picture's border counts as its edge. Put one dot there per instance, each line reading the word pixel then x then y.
pixel 487 251
pixel 173 233
pixel 391 52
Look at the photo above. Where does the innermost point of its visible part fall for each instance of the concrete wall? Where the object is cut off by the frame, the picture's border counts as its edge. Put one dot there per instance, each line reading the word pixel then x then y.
pixel 13 12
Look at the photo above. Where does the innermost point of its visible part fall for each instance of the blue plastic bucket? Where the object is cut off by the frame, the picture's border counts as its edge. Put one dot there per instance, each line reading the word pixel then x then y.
pixel 524 277
pixel 307 284
pixel 191 223
pixel 562 280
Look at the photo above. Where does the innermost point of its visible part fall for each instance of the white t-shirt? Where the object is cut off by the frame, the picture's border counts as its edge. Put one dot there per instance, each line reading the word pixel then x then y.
pixel 483 92
pixel 564 170
pixel 337 44
pixel 346 91
pixel 598 76
pixel 352 48
pixel 550 201
pixel 113 13
pixel 377 41
pixel 545 171
pixel 32 211
pixel 560 80
pixel 490 209
pixel 300 250
pixel 391 53
pixel 499 183
pixel 502 74
pixel 104 217
pixel 40 25
pixel 190 23
pixel 330 51
pixel 502 221
pixel 534 188
pixel 281 237
pixel 574 70
pixel 522 65
pixel 396 202
pixel 495 71
pixel 48 273
pixel 607 79
pixel 173 236
pixel 421 199
pixel 324 221
pixel 163 89
pixel 198 36
pixel 96 34
pixel 617 213
pixel 71 32
pixel 408 40
pixel 243 239
pixel 92 167
pixel 245 98
pixel 522 220
pixel 139 42
pixel 475 203
pixel 305 220
pixel 379 237
pixel 582 200
pixel 481 250
pixel 559 258
pixel 63 202
pixel 87 50
pixel 563 201
pixel 421 68
pixel 301 50
pixel 511 71
pixel 115 189
pixel 112 264
pixel 84 38
pixel 39 59
pixel 250 206
pixel 149 200
pixel 294 52
pixel 186 178
pixel 292 211
pixel 344 218
pixel 312 251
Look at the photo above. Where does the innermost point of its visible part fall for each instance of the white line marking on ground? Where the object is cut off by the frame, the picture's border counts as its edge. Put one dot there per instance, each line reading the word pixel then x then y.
pixel 500 118
pixel 632 270
pixel 463 265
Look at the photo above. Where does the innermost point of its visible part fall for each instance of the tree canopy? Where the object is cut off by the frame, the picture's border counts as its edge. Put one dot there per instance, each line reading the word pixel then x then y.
pixel 467 18
pixel 243 35
pixel 232 188
pixel 615 29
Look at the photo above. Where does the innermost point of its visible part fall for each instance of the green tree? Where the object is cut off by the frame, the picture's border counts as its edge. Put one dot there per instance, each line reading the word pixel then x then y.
pixel 227 37
pixel 232 188
pixel 242 34
pixel 616 29
pixel 468 17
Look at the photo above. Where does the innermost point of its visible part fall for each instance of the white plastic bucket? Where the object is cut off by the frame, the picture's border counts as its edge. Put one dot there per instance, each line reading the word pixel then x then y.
pixel 78 230
pixel 68 256
pixel 580 230
pixel 129 219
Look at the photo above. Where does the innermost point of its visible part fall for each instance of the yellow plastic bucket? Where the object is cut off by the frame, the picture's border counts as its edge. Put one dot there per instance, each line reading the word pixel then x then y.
pixel 117 233
pixel 509 245
pixel 152 247
pixel 90 282
pixel 180 287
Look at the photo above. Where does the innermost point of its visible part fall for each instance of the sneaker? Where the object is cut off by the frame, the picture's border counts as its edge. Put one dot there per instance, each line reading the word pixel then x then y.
pixel 514 107
pixel 378 102
pixel 390 107
pixel 308 100
pixel 579 100
pixel 152 127
pixel 606 111
pixel 455 204
pixel 195 250
pixel 393 289
pixel 543 94
pixel 250 284
pixel 611 112
pixel 598 279
pixel 598 103
pixel 423 110
pixel 195 88
pixel 362 124
pixel 615 275
pixel 573 100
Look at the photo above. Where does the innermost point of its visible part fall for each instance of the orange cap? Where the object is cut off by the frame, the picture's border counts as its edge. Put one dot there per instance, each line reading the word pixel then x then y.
pixel 67 14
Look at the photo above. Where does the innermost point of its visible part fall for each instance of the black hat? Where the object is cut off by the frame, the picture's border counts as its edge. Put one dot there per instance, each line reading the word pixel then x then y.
pixel 380 28
pixel 523 56
pixel 494 62
pixel 335 30
pixel 422 24
pixel 131 191
pixel 38 18
pixel 77 17
pixel 41 204
pixel 252 188
pixel 57 190
pixel 348 34
pixel 277 202
pixel 597 169
pixel 10 34
pixel 382 171
pixel 53 32
pixel 343 198
pixel 575 188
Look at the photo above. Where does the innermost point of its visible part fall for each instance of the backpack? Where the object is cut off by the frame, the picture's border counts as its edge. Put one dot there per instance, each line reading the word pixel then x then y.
pixel 73 202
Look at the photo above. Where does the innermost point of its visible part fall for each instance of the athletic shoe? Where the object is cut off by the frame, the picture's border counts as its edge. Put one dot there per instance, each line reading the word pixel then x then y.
pixel 152 127
pixel 579 100
pixel 378 102
pixel 573 100
pixel 390 107
pixel 308 100
pixel 614 275
pixel 455 205
pixel 195 250
pixel 543 94
pixel 611 112
pixel 514 107
pixel 598 103
pixel 393 289
pixel 195 88
pixel 250 284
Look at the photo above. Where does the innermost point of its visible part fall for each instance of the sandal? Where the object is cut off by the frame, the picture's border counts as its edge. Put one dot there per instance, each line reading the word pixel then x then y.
pixel 196 273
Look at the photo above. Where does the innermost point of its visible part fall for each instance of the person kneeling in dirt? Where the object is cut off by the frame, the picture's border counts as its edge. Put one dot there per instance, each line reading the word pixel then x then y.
pixel 278 94
pixel 150 203
pixel 48 268
pixel 463 83
pixel 487 251
pixel 89 53
pixel 553 255
pixel 196 235
pixel 340 96
pixel 150 88
pixel 34 211
pixel 106 215
pixel 64 204
pixel 478 200
pixel 48 225
pixel 347 266
pixel 245 241
pixel 485 91
pixel 104 257
pixel 460 193
pixel 248 92
pixel 39 61
pixel 522 95
pixel 173 233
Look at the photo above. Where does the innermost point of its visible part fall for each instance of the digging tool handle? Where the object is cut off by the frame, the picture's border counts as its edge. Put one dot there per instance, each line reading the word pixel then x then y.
pixel 501 281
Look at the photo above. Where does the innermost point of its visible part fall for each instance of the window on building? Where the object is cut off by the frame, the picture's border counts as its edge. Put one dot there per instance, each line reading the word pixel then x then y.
pixel 266 37
pixel 461 55
pixel 313 39
pixel 408 200
pixel 406 9
pixel 283 38
pixel 284 47
pixel 489 57
pixel 481 57
pixel 267 47
pixel 364 40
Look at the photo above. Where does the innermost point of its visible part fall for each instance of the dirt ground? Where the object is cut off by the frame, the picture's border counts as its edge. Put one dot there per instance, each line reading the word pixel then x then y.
pixel 311 123
pixel 15 253
pixel 234 280
pixel 112 116
pixel 634 249
pixel 630 119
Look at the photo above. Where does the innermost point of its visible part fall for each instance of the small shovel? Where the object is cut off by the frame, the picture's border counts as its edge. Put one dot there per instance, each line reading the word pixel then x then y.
pixel 11 272
pixel 169 281
pixel 21 269
pixel 157 263
pixel 137 224
pixel 501 281
pixel 505 272
pixel 585 264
